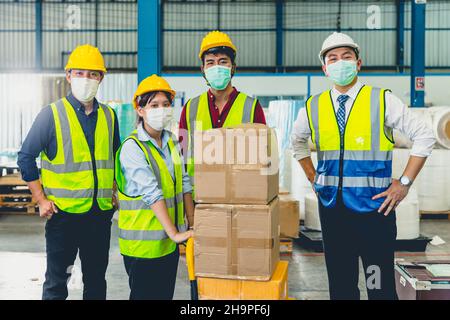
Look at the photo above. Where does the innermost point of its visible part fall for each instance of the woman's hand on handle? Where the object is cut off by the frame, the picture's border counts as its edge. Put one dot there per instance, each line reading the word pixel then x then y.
pixel 180 237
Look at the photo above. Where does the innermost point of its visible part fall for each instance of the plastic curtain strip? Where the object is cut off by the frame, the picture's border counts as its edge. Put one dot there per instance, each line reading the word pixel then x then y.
pixel 281 116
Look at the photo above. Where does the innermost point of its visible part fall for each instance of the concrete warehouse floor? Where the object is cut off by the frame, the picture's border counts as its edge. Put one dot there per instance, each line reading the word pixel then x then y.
pixel 22 263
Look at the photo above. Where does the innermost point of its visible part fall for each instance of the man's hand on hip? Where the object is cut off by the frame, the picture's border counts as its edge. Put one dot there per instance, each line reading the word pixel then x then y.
pixel 47 208
pixel 394 195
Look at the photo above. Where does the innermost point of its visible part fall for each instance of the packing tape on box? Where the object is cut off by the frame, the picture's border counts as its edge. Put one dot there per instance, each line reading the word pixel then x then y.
pixel 247 243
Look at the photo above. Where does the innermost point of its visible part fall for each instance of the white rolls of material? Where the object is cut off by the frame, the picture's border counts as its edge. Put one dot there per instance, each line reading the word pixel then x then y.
pixel 401 140
pixel 312 219
pixel 433 182
pixel 408 217
pixel 437 119
pixel 440 119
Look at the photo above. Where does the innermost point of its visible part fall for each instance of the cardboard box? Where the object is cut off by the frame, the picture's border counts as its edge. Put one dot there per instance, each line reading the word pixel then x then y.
pixel 236 241
pixel 224 289
pixel 289 217
pixel 237 165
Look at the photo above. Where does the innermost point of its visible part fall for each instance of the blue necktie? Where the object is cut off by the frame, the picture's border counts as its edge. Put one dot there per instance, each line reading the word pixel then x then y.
pixel 342 99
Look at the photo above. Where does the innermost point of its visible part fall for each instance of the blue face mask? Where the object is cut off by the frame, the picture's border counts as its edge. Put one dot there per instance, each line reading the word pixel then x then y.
pixel 218 77
pixel 342 72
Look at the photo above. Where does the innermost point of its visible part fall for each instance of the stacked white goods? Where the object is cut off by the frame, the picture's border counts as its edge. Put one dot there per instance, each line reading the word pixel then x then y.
pixel 281 117
pixel 433 182
pixel 399 160
pixel 300 185
pixel 312 219
pixel 440 119
pixel 287 171
pixel 408 217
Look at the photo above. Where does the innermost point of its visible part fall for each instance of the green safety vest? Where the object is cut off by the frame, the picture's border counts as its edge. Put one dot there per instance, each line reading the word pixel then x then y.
pixel 141 235
pixel 68 179
pixel 198 118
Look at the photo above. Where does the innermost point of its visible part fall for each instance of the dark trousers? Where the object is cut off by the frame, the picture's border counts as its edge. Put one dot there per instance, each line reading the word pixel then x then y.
pixel 152 279
pixel 348 235
pixel 66 235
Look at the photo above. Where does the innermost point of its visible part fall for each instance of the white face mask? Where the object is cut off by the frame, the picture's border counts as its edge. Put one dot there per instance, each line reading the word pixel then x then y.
pixel 159 118
pixel 84 89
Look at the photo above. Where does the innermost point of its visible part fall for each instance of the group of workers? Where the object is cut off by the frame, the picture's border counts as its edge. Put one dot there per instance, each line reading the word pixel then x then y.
pixel 87 173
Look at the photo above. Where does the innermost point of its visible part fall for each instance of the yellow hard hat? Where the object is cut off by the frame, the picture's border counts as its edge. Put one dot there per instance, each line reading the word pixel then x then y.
pixel 86 57
pixel 215 39
pixel 152 83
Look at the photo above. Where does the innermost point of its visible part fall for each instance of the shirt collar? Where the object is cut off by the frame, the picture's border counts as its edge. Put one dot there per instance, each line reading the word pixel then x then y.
pixel 352 93
pixel 144 136
pixel 77 105
pixel 212 97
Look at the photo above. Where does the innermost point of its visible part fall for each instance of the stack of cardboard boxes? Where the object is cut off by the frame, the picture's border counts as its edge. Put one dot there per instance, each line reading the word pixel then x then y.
pixel 236 223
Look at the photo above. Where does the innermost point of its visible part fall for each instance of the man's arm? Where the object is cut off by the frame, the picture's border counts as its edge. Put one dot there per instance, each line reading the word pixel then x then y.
pixel 39 138
pixel 299 143
pixel 399 117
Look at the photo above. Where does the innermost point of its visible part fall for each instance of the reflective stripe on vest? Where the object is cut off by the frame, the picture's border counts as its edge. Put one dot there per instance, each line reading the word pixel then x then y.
pixel 137 205
pixel 199 119
pixel 68 179
pixel 140 232
pixel 361 164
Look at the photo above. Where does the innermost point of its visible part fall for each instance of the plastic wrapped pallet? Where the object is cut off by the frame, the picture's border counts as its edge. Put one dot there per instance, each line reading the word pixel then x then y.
pixel 408 217
pixel 281 117
pixel 312 219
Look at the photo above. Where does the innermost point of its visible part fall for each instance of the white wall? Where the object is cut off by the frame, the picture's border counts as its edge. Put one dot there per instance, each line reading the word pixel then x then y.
pixel 255 85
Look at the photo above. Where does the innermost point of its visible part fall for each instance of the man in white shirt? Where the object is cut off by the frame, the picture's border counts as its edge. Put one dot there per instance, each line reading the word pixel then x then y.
pixel 351 126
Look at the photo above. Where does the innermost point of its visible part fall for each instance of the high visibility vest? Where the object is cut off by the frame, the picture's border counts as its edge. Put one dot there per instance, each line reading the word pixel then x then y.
pixel 68 179
pixel 357 165
pixel 199 119
pixel 141 235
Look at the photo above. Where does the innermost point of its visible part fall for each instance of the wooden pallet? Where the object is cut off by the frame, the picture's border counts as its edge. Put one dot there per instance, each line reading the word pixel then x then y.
pixel 286 246
pixel 15 195
pixel 435 214
pixel 12 180
pixel 18 202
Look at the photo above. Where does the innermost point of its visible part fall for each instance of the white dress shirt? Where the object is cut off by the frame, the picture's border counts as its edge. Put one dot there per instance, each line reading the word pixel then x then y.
pixel 397 116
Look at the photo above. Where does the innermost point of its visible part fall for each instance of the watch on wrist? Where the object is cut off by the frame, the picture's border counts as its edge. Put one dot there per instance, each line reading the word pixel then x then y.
pixel 405 181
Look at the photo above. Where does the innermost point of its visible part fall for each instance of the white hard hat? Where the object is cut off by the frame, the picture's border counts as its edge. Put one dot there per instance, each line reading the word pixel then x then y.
pixel 336 40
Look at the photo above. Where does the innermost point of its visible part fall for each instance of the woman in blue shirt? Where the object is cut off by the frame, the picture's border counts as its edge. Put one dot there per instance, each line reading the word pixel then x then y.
pixel 155 195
